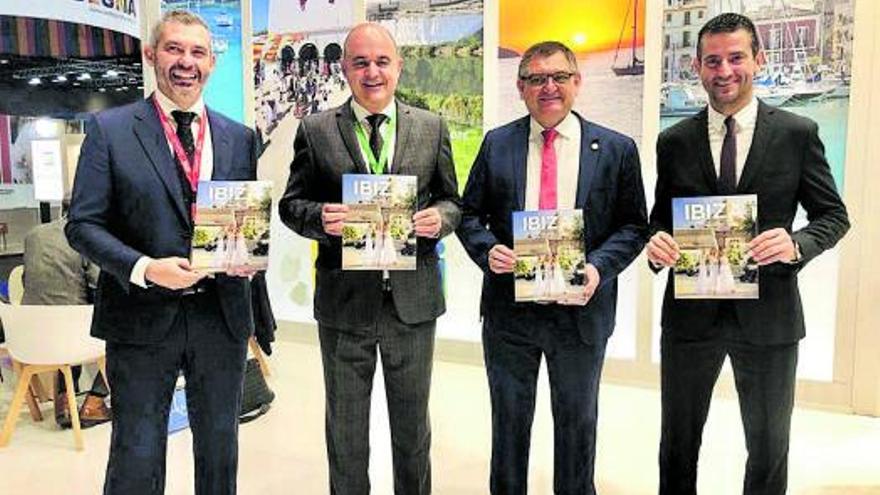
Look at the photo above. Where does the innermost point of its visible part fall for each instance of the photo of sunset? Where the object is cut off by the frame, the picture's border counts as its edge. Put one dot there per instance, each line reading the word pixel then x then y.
pixel 608 38
pixel 583 26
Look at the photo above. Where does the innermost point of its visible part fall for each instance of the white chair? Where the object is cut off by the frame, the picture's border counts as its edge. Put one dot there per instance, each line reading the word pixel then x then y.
pixel 48 338
pixel 36 394
pixel 15 287
pixel 15 284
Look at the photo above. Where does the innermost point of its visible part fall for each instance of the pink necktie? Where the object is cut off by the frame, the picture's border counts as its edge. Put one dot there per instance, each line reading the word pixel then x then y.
pixel 547 199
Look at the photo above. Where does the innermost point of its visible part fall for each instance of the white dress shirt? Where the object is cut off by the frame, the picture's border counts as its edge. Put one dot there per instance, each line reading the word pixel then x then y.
pixel 745 131
pixel 138 273
pixel 390 135
pixel 568 162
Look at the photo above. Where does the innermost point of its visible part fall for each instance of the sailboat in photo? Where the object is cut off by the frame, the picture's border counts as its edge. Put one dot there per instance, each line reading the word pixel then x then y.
pixel 635 67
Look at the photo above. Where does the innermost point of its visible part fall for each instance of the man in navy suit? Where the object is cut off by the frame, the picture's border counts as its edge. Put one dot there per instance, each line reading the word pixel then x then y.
pixel 131 213
pixel 551 159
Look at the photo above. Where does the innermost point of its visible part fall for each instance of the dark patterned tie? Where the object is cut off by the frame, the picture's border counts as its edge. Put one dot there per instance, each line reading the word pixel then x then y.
pixel 375 120
pixel 184 132
pixel 727 177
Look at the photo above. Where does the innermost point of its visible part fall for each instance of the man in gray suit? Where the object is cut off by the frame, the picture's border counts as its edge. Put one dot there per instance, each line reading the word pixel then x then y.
pixel 358 311
pixel 55 274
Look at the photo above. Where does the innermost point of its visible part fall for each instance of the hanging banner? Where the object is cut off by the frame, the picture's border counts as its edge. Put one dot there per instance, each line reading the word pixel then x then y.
pixel 116 15
pixel 808 46
pixel 225 89
pixel 607 38
pixel 297 53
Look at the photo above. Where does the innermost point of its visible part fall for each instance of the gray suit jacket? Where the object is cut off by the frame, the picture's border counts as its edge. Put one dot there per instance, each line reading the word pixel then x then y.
pixel 53 272
pixel 325 148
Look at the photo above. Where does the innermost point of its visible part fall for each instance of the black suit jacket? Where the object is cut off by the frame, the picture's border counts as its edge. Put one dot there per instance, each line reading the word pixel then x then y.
pixel 609 191
pixel 785 167
pixel 325 148
pixel 127 202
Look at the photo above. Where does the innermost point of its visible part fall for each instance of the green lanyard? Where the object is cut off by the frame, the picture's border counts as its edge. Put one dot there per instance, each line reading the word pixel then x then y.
pixel 377 164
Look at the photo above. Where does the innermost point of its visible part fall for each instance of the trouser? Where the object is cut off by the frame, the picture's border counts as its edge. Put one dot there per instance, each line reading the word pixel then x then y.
pixel 765 383
pixel 513 345
pixel 143 379
pixel 349 359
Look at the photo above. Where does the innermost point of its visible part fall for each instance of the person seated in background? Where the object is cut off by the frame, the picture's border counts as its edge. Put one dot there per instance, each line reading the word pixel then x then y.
pixel 55 274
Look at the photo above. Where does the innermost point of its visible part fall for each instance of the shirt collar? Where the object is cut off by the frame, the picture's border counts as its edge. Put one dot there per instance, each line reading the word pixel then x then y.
pixel 169 106
pixel 566 128
pixel 745 118
pixel 361 113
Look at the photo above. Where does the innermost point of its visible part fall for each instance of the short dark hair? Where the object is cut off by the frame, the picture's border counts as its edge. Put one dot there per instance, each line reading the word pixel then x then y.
pixel 728 22
pixel 545 49
pixel 180 16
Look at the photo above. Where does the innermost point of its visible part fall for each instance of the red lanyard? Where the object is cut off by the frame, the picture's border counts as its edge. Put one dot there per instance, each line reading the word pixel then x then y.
pixel 190 169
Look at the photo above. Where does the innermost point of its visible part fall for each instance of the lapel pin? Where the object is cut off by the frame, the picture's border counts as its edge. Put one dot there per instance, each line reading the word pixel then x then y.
pixel 594 145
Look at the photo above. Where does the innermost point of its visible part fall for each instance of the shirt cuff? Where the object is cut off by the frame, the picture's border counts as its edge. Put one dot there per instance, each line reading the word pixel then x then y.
pixel 656 266
pixel 138 273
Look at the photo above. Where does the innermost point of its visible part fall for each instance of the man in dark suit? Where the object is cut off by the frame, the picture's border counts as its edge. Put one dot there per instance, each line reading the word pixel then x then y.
pixel 131 213
pixel 551 159
pixel 739 145
pixel 358 311
pixel 56 274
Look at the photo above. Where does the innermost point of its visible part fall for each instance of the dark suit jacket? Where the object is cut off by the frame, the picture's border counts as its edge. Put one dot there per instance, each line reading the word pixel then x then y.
pixel 609 192
pixel 785 167
pixel 127 202
pixel 325 148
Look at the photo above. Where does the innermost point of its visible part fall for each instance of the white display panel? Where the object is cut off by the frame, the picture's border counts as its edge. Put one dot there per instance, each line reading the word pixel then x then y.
pixel 48 170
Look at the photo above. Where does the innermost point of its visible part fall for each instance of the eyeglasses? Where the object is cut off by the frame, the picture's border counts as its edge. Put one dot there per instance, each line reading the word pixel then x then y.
pixel 538 80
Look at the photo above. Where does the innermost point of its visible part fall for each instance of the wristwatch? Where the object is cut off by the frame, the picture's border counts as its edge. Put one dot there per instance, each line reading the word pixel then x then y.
pixel 798 256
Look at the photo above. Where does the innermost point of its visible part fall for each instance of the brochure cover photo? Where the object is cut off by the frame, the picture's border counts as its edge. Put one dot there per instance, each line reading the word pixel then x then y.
pixel 712 233
pixel 231 225
pixel 378 232
pixel 550 259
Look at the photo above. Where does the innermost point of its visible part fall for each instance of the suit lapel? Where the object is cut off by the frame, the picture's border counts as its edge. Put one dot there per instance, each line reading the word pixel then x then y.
pixel 707 165
pixel 589 160
pixel 149 133
pixel 760 140
pixel 220 148
pixel 520 158
pixel 345 120
pixel 404 129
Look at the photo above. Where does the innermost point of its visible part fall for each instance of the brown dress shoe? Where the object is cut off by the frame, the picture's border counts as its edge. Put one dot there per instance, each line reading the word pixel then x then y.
pixel 62 411
pixel 94 411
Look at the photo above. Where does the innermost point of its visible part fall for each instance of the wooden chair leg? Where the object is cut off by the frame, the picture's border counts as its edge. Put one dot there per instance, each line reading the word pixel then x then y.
pixel 102 366
pixel 39 389
pixel 15 407
pixel 74 412
pixel 258 354
pixel 32 404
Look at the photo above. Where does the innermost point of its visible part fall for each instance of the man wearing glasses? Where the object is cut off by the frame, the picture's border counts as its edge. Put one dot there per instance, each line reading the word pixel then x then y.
pixel 550 159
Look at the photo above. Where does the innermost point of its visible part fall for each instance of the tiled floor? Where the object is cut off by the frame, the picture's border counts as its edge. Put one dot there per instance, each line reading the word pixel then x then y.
pixel 283 452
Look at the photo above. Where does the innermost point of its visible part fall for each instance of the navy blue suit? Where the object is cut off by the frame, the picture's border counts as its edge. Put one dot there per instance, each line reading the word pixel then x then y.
pixel 515 335
pixel 128 202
